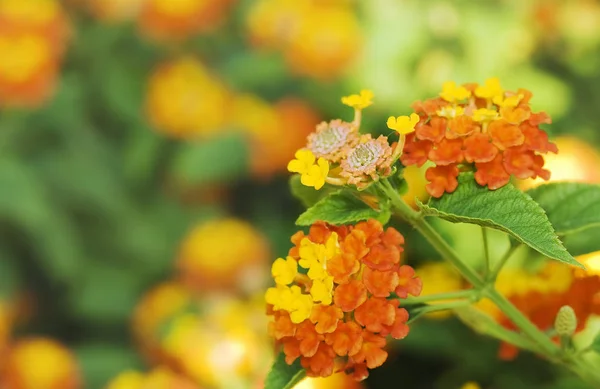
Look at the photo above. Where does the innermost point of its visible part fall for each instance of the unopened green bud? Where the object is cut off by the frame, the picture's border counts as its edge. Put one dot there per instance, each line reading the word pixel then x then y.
pixel 566 321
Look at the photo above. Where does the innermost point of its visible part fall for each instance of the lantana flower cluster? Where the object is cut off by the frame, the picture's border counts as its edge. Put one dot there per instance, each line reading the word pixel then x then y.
pixel 483 127
pixel 337 153
pixel 332 305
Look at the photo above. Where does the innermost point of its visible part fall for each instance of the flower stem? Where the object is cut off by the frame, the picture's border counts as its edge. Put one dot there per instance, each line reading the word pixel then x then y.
pixel 459 294
pixel 486 249
pixel 494 274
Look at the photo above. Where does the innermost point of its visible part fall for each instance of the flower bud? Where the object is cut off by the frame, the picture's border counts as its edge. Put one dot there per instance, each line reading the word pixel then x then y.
pixel 566 321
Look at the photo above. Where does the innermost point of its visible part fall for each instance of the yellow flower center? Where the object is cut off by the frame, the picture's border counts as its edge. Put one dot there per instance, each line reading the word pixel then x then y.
pixel 22 56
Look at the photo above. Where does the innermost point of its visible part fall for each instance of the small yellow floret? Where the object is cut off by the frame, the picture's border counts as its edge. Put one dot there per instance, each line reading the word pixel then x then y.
pixel 403 124
pixel 451 112
pixel 484 114
pixel 360 101
pixel 452 93
pixel 303 162
pixel 490 89
pixel 508 102
pixel 316 175
pixel 322 290
pixel 284 270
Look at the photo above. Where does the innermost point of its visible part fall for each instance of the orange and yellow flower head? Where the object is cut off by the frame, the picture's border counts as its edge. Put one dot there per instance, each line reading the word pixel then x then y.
pixel 223 254
pixel 330 303
pixel 33 38
pixel 40 363
pixel 184 100
pixel 480 126
pixel 318 38
pixel 179 19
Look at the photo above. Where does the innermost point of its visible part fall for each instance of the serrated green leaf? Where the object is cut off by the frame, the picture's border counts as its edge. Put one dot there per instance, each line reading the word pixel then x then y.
pixel 338 208
pixel 571 206
pixel 307 195
pixel 506 209
pixel 284 376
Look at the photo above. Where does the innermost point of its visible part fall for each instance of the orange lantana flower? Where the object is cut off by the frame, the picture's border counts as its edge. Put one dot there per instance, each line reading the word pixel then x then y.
pixel 482 125
pixel 348 330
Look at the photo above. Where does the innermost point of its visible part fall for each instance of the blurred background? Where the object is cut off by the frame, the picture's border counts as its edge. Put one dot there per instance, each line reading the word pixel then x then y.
pixel 143 146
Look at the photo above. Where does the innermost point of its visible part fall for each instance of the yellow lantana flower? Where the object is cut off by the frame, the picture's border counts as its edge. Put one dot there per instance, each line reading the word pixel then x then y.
pixel 322 290
pixel 508 102
pixel 280 297
pixel 303 162
pixel 490 89
pixel 403 124
pixel 301 305
pixel 484 114
pixel 451 112
pixel 316 175
pixel 360 101
pixel 284 270
pixel 452 93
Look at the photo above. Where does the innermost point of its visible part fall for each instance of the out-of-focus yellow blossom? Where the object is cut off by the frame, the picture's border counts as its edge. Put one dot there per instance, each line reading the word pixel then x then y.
pixel 284 270
pixel 272 23
pixel 577 161
pixel 155 308
pixel 185 101
pixel 129 379
pixel 223 346
pixel 451 112
pixel 439 277
pixel 41 363
pixel 328 39
pixel 336 381
pixel 490 89
pixel 470 385
pixel 359 101
pixel 179 19
pixel 484 115
pixel 30 11
pixel 159 378
pixel 591 262
pixel 223 253
pixel 452 93
pixel 415 179
pixel 403 124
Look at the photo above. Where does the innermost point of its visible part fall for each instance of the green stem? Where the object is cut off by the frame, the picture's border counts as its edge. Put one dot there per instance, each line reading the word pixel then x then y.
pixel 486 249
pixel 465 294
pixel 511 250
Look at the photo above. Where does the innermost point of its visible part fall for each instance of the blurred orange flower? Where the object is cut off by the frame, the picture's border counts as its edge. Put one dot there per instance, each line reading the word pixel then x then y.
pixel 33 36
pixel 184 100
pixel 40 363
pixel 159 378
pixel 318 38
pixel 225 253
pixel 114 10
pixel 178 19
pixel 264 123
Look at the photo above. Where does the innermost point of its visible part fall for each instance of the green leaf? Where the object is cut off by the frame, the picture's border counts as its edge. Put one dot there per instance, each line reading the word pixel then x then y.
pixel 570 206
pixel 307 195
pixel 506 209
pixel 341 207
pixel 284 376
